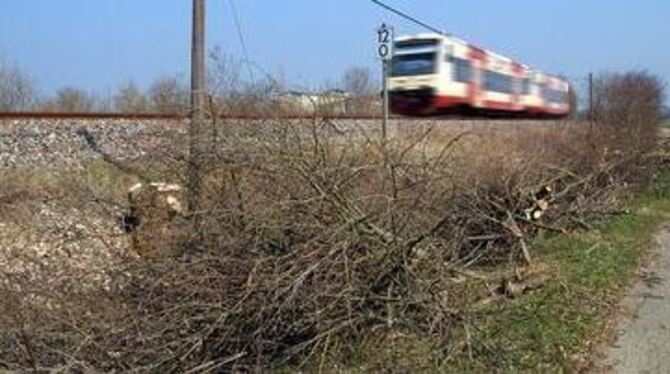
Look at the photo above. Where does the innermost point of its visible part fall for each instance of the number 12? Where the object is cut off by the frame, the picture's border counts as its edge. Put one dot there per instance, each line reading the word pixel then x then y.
pixel 384 35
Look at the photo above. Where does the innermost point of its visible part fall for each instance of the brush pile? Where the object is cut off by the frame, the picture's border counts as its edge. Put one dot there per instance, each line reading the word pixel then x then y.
pixel 309 242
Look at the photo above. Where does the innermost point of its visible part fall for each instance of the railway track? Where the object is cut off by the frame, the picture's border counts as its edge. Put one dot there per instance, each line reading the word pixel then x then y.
pixel 156 116
pixel 180 117
pixel 59 115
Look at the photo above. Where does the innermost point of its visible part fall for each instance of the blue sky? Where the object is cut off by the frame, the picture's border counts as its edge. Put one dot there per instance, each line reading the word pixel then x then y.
pixel 99 44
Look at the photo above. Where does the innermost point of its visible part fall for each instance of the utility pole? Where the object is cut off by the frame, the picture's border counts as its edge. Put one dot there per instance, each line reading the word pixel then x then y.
pixel 197 113
pixel 591 109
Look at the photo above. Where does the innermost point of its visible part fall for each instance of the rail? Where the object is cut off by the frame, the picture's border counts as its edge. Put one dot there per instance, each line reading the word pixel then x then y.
pixel 156 116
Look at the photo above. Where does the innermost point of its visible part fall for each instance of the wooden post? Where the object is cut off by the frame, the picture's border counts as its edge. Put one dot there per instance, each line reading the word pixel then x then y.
pixel 385 105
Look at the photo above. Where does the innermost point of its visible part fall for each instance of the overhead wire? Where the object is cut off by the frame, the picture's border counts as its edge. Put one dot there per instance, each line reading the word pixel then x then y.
pixel 408 17
pixel 243 43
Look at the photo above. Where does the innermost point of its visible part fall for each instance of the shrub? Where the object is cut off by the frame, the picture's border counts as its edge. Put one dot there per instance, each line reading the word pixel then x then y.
pixel 628 108
pixel 17 91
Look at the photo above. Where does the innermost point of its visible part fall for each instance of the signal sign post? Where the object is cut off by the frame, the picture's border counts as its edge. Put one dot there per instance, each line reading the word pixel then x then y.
pixel 384 50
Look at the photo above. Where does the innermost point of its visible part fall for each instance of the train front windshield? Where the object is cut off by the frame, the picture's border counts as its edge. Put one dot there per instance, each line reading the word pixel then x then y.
pixel 413 64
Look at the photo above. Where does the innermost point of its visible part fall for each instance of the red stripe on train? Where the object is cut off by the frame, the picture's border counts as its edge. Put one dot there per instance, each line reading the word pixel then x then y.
pixel 500 105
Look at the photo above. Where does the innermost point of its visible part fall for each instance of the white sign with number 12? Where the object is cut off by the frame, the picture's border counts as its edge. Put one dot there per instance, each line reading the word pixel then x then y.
pixel 384 39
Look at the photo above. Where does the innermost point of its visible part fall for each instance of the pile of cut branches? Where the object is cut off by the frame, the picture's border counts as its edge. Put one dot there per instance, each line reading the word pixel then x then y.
pixel 311 240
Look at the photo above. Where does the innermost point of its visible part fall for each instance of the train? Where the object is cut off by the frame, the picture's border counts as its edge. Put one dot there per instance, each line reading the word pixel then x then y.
pixel 441 74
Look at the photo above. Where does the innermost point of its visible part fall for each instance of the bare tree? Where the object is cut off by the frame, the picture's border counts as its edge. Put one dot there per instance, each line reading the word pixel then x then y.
pixel 666 113
pixel 103 102
pixel 629 106
pixel 231 94
pixel 130 99
pixel 168 95
pixel 224 80
pixel 573 101
pixel 71 100
pixel 17 91
pixel 359 83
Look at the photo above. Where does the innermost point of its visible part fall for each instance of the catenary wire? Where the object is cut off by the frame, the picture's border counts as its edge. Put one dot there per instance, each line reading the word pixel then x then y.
pixel 240 35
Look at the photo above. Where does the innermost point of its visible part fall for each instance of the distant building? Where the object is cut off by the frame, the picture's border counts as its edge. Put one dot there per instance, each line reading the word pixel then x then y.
pixel 332 102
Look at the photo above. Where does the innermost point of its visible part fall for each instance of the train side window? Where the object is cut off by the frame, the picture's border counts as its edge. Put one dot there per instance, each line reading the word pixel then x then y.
pixel 462 70
pixel 526 86
pixel 554 96
pixel 497 82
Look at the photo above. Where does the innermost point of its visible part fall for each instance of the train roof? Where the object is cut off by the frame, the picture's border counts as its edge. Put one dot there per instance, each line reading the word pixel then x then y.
pixel 454 39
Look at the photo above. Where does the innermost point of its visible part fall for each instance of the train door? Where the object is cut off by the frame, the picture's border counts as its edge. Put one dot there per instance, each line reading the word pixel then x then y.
pixel 478 59
pixel 517 88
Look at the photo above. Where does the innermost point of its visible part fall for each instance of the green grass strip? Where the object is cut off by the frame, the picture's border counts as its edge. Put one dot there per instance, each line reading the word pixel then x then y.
pixel 551 330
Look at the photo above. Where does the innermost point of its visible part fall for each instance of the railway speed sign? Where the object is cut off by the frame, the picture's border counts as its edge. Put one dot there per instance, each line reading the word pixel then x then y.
pixel 384 41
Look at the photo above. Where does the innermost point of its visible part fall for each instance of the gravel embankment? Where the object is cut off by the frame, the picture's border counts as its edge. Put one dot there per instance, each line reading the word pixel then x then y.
pixel 52 238
pixel 63 142
pixel 59 245
pixel 69 142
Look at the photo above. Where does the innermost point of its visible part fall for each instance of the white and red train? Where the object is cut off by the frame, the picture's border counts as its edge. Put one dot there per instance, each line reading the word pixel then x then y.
pixel 433 74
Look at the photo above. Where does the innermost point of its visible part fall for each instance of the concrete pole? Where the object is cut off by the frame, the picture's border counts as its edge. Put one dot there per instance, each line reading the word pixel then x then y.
pixel 197 113
pixel 591 108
